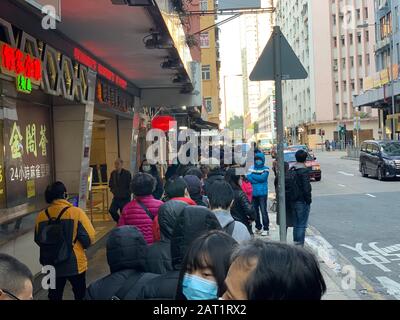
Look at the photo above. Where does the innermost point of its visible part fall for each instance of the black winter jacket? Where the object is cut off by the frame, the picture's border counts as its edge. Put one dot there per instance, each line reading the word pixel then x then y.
pixel 242 210
pixel 192 223
pixel 303 180
pixel 126 253
pixel 159 254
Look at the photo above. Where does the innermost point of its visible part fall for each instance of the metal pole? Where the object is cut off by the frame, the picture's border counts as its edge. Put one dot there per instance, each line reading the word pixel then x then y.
pixel 226 114
pixel 391 69
pixel 280 133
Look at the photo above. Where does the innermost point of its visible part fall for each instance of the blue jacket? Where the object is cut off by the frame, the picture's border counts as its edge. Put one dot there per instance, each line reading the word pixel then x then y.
pixel 258 177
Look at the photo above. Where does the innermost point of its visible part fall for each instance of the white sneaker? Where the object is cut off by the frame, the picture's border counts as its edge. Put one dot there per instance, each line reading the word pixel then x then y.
pixel 265 233
pixel 258 231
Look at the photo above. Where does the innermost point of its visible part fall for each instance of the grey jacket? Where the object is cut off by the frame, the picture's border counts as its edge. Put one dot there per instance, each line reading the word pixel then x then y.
pixel 240 232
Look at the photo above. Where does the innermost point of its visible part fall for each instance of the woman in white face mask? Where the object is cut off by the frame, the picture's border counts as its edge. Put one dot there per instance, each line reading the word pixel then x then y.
pixel 205 267
pixel 146 167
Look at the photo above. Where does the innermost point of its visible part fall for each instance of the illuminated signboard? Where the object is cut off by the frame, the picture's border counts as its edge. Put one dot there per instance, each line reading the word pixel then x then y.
pixel 113 97
pixel 26 69
pixel 28 155
pixel 103 71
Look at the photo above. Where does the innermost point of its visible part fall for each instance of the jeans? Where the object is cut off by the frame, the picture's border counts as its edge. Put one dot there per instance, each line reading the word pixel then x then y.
pixel 260 204
pixel 78 283
pixel 118 204
pixel 301 214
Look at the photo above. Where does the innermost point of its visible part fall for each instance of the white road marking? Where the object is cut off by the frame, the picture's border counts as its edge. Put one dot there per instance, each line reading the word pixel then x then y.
pixel 346 174
pixel 342 185
pixel 392 287
pixel 370 195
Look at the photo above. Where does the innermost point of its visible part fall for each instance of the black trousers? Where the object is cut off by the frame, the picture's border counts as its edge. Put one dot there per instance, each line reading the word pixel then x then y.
pixel 118 204
pixel 77 282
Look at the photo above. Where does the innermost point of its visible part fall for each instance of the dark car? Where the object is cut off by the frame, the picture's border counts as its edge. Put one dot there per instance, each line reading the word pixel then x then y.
pixel 380 159
pixel 312 163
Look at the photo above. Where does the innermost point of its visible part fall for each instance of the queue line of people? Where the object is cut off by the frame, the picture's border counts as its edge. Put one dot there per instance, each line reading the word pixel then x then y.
pixel 196 244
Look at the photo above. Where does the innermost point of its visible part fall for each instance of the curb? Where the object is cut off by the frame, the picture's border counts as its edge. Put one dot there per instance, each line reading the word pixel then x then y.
pixel 362 283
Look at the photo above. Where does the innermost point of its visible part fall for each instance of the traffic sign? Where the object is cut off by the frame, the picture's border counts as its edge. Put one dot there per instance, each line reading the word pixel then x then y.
pixel 290 66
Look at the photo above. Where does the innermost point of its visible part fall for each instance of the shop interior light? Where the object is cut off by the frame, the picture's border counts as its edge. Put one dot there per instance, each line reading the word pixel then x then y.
pixel 134 3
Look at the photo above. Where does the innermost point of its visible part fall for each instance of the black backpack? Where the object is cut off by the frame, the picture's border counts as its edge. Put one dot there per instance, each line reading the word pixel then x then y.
pixel 293 190
pixel 54 247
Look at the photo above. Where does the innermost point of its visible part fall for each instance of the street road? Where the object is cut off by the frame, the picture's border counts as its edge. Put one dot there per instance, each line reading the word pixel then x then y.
pixel 360 217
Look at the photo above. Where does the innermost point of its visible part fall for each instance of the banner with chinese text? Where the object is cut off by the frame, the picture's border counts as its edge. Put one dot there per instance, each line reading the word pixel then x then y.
pixel 28 153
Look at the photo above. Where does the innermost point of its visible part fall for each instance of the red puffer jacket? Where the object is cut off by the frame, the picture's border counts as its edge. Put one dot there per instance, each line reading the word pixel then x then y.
pixel 134 215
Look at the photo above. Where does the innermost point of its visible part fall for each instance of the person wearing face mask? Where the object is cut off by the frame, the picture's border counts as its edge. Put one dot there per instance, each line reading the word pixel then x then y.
pixel 205 267
pixel 258 177
pixel 151 169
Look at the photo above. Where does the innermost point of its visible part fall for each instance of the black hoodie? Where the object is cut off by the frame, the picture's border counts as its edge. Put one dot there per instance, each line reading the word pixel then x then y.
pixel 126 254
pixel 159 253
pixel 192 223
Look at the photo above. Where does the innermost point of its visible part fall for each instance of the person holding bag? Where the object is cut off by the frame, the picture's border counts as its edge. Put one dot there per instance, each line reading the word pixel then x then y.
pixel 143 209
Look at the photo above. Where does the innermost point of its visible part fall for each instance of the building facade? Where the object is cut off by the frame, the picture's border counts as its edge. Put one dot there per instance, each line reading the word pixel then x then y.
pixel 378 88
pixel 316 108
pixel 210 61
pixel 255 32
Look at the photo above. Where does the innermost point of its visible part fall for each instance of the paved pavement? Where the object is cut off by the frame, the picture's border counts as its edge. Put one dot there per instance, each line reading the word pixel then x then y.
pixel 356 223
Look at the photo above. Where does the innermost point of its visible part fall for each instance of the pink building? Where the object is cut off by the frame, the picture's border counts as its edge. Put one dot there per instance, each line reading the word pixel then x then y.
pixel 337 54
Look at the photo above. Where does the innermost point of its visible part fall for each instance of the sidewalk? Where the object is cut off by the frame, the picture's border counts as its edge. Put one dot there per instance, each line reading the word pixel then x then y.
pixel 332 279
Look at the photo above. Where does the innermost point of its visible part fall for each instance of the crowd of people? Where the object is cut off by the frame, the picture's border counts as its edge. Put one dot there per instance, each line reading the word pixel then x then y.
pixel 189 237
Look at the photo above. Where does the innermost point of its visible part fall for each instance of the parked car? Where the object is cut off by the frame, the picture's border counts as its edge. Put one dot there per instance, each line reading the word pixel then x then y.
pixel 312 163
pixel 380 159
pixel 301 147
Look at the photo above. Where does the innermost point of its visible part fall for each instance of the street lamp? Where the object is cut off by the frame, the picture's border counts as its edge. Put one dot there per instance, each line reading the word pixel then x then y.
pixel 366 25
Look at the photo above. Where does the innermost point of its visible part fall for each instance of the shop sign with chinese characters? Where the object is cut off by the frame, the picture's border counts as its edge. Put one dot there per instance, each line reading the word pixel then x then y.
pixel 26 69
pixel 45 67
pixel 27 154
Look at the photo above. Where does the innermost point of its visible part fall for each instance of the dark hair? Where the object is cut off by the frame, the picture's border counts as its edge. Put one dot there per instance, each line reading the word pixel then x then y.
pixel 13 274
pixel 175 188
pixel 194 171
pixel 211 250
pixel 301 156
pixel 55 191
pixel 142 184
pixel 153 167
pixel 281 272
pixel 233 179
pixel 220 194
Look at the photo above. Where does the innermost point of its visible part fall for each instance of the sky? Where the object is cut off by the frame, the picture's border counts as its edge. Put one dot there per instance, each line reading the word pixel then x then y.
pixel 231 66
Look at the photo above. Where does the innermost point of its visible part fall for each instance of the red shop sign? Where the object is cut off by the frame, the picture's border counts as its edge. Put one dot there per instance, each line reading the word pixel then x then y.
pixel 14 62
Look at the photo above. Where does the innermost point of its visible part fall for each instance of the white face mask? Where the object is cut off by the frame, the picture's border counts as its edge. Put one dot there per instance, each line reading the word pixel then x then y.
pixel 146 168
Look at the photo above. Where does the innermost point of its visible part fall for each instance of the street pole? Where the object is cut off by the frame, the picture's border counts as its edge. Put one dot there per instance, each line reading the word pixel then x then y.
pixel 280 133
pixel 392 79
pixel 226 114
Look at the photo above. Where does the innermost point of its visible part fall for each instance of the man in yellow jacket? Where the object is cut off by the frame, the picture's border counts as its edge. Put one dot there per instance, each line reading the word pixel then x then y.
pixel 75 233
